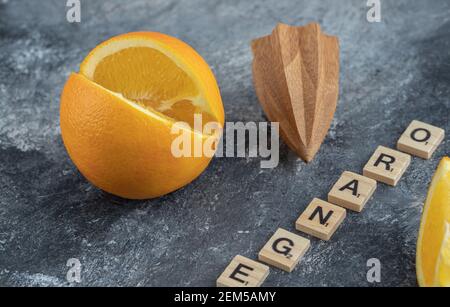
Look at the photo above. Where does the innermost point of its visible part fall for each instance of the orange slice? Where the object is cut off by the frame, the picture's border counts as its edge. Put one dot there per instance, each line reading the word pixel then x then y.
pixel 433 246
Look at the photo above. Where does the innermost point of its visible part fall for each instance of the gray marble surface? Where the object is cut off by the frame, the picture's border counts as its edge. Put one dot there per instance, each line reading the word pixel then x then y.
pixel 392 72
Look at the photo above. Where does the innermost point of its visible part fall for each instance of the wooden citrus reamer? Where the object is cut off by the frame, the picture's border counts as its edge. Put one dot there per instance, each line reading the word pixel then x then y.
pixel 296 77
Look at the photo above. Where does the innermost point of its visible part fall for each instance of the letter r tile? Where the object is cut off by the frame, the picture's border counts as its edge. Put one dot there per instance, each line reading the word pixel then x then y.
pixel 243 272
pixel 320 219
pixel 284 250
pixel 420 139
pixel 387 165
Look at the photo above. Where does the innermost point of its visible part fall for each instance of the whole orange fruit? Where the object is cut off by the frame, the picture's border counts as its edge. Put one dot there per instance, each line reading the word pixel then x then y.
pixel 118 114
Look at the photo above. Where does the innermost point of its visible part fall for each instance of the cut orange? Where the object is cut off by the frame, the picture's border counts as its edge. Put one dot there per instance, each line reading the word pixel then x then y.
pixel 433 246
pixel 117 115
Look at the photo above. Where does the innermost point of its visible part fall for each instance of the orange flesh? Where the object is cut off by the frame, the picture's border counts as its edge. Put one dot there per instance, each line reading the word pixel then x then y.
pixel 152 80
pixel 434 228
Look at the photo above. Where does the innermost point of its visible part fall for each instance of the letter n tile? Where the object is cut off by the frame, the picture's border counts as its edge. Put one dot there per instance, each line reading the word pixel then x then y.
pixel 320 219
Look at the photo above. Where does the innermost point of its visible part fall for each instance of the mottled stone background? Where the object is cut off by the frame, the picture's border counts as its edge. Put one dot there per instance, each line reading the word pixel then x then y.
pixel 392 72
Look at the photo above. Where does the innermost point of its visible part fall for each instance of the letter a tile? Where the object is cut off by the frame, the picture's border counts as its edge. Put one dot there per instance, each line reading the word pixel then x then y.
pixel 352 191
pixel 320 219
pixel 284 250
pixel 243 272
pixel 387 165
pixel 420 139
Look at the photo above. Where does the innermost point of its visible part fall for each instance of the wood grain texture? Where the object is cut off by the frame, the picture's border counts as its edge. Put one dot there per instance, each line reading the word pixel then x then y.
pixel 296 77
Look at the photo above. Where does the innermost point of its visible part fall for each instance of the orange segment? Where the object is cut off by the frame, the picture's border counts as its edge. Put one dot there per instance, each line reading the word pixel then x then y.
pixel 163 87
pixel 145 74
pixel 433 246
pixel 156 71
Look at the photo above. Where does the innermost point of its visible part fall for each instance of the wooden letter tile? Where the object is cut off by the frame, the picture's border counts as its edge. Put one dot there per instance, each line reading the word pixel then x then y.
pixel 420 139
pixel 243 272
pixel 284 250
pixel 320 219
pixel 352 191
pixel 387 165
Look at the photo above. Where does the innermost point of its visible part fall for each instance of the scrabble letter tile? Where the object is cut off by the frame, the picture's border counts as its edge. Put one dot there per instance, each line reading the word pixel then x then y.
pixel 320 219
pixel 387 165
pixel 352 191
pixel 243 272
pixel 284 250
pixel 420 139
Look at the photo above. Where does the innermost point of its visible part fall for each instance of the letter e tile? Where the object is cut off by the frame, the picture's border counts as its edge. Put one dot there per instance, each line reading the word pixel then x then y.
pixel 243 272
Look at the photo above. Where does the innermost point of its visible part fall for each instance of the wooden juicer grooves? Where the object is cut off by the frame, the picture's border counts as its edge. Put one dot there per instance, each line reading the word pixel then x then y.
pixel 296 77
